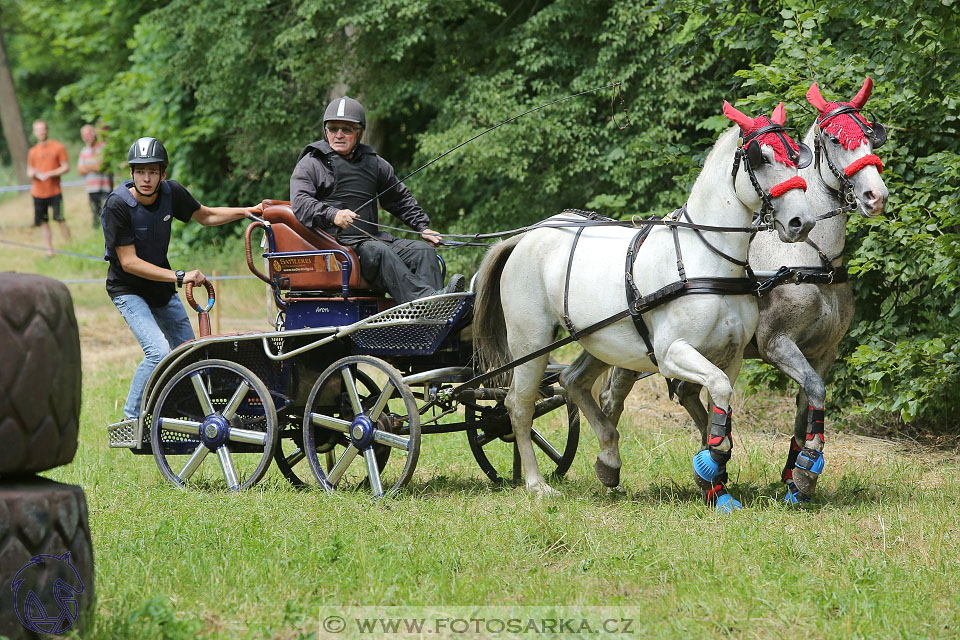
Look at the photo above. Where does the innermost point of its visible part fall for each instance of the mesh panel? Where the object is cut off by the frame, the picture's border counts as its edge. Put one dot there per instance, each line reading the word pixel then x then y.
pixel 123 435
pixel 416 327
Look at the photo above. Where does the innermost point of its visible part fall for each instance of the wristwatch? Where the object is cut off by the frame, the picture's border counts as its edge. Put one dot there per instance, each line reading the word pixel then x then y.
pixel 180 273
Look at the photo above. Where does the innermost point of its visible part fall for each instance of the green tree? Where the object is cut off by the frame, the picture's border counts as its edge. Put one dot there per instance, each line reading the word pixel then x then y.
pixel 235 91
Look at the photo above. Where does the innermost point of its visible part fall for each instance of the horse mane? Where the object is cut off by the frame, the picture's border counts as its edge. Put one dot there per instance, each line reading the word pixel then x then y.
pixel 489 325
pixel 721 168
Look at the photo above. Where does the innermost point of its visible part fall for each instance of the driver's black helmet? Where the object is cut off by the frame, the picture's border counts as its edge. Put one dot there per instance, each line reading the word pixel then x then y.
pixel 346 109
pixel 147 151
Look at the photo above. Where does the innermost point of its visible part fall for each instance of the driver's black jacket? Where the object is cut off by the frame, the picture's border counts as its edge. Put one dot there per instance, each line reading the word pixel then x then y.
pixel 315 197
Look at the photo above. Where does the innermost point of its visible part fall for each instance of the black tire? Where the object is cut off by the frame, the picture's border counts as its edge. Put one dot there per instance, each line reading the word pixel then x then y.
pixel 387 415
pixel 494 447
pixel 39 375
pixel 214 406
pixel 45 519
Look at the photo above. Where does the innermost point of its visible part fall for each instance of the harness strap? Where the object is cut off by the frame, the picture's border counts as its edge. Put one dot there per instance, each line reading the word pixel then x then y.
pixel 676 245
pixel 567 322
pixel 633 294
pixel 539 352
pixel 728 258
pixel 824 260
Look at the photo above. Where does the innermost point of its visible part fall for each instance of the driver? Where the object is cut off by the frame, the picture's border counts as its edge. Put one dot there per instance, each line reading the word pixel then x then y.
pixel 334 179
pixel 136 220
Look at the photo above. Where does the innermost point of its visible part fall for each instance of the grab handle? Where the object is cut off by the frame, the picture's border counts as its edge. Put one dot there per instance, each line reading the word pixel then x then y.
pixel 204 312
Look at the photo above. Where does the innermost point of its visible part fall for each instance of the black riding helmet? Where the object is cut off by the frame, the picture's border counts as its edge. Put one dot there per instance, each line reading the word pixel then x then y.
pixel 147 151
pixel 345 109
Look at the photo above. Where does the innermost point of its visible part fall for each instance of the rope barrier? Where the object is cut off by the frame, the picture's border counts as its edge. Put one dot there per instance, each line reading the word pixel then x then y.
pixel 26 187
pixel 60 251
pixel 100 259
pixel 101 280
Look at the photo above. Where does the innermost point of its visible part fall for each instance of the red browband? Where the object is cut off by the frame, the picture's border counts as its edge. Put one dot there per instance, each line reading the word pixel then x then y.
pixel 860 163
pixel 796 182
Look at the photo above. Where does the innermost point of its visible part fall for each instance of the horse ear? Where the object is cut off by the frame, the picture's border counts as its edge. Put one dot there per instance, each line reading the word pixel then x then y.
pixel 779 116
pixel 745 121
pixel 815 98
pixel 861 98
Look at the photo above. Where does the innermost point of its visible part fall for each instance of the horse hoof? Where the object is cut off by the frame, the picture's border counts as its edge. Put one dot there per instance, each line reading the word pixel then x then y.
pixel 608 476
pixel 795 495
pixel 705 466
pixel 616 491
pixel 728 504
pixel 543 490
pixel 804 483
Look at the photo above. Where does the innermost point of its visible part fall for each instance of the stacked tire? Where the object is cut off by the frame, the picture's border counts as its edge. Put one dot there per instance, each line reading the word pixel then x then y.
pixel 46 556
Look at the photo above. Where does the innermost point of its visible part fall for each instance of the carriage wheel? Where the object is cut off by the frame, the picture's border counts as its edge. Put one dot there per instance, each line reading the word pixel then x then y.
pixel 495 449
pixel 342 410
pixel 290 454
pixel 219 407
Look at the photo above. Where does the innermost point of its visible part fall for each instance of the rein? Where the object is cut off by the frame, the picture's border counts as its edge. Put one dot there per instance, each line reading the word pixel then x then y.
pixel 593 220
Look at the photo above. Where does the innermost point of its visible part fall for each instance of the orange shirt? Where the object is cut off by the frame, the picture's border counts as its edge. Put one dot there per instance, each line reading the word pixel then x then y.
pixel 46 157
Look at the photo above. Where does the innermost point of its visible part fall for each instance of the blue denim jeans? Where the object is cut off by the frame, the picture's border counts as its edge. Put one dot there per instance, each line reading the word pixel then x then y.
pixel 159 330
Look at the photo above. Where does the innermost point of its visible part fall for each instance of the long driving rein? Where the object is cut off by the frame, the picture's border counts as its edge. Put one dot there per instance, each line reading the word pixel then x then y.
pixel 638 304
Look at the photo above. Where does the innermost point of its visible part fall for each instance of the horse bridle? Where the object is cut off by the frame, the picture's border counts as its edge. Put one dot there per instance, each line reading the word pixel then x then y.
pixel 877 135
pixel 749 153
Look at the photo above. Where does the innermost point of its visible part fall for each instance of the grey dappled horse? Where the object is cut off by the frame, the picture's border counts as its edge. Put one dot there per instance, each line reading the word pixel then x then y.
pixel 801 324
pixel 526 290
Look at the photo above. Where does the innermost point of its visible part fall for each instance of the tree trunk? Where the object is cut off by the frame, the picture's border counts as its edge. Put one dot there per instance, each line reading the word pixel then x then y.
pixel 11 118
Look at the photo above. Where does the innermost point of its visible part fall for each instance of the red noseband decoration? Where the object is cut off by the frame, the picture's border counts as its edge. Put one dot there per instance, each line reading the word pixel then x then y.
pixel 865 161
pixel 796 182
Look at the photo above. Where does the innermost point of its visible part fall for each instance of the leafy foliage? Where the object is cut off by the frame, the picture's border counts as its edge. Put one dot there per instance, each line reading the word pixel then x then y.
pixel 235 91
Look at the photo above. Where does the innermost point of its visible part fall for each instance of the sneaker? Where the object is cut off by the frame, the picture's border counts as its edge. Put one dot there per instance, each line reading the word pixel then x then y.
pixel 126 422
pixel 457 284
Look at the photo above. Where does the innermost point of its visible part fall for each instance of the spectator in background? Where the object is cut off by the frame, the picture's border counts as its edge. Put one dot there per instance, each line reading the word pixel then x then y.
pixel 46 162
pixel 99 184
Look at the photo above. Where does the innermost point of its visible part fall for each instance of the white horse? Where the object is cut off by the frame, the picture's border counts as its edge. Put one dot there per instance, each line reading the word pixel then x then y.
pixel 531 284
pixel 801 324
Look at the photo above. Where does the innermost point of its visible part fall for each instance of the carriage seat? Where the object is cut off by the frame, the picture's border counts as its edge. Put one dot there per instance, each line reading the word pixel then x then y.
pixel 309 272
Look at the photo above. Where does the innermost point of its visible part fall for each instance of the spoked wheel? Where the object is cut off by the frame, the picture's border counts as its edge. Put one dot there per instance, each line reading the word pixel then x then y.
pixel 218 407
pixel 290 454
pixel 494 446
pixel 362 403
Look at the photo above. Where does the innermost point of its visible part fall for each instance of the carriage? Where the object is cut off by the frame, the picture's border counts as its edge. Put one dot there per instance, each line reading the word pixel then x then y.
pixel 346 368
pixel 340 392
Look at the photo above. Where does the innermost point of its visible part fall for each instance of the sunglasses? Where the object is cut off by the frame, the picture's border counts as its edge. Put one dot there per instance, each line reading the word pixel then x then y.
pixel 338 128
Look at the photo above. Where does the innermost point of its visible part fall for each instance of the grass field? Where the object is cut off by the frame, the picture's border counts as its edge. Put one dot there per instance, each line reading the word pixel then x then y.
pixel 875 555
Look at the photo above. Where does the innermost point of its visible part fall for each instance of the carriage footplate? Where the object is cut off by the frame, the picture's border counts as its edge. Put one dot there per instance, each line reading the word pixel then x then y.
pixel 709 463
pixel 123 434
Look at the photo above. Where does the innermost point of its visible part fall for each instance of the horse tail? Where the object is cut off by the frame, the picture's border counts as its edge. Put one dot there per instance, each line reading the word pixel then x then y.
pixel 489 324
